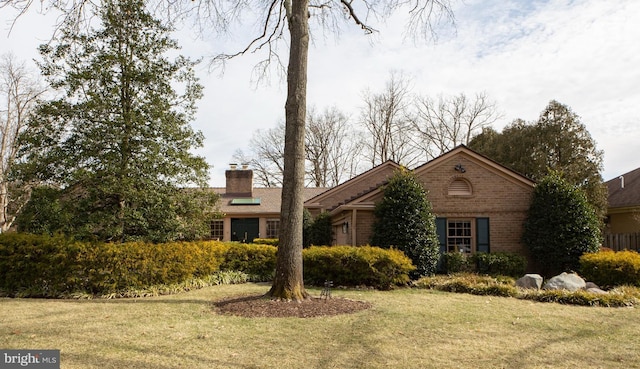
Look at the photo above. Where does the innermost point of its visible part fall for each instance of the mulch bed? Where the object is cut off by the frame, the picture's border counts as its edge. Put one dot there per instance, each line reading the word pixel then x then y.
pixel 263 307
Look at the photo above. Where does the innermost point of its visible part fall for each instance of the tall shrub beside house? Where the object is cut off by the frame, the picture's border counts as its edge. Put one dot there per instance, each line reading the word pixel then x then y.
pixel 404 220
pixel 561 225
pixel 318 231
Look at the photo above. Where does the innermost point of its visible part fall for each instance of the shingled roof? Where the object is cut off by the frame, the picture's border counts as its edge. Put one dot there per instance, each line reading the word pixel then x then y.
pixel 270 200
pixel 627 195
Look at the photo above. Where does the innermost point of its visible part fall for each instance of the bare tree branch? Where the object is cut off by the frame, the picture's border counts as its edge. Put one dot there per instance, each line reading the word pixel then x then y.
pixel 451 121
pixel 19 94
pixel 349 8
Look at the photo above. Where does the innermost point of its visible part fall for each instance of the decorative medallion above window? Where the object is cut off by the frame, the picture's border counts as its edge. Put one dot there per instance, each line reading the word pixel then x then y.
pixel 460 187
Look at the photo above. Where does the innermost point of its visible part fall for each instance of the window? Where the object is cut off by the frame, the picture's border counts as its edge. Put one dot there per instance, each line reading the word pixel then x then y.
pixel 217 229
pixel 463 235
pixel 273 228
pixel 459 236
pixel 460 187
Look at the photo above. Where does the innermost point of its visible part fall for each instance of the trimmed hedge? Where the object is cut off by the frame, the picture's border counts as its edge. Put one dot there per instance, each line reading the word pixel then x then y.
pixel 256 260
pixel 44 266
pixel 608 268
pixel 356 266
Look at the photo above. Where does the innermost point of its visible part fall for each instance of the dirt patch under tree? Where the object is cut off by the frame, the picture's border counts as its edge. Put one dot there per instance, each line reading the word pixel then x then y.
pixel 260 306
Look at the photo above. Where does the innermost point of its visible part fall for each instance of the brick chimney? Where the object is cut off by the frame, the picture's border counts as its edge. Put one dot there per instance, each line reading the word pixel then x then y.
pixel 239 181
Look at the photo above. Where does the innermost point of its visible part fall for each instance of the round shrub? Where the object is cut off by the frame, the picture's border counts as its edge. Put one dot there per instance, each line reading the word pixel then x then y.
pixel 610 268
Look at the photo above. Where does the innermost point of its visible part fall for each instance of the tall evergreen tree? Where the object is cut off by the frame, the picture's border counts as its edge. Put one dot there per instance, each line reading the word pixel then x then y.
pixel 404 220
pixel 557 141
pixel 561 225
pixel 118 142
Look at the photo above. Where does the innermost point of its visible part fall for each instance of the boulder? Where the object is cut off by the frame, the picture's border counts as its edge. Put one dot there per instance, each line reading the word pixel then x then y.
pixel 597 291
pixel 591 285
pixel 530 281
pixel 565 281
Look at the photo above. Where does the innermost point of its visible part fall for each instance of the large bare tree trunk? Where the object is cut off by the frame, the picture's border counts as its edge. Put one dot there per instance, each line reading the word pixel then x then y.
pixel 288 282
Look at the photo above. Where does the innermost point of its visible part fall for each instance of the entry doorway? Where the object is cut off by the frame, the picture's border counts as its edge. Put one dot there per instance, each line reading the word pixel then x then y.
pixel 245 230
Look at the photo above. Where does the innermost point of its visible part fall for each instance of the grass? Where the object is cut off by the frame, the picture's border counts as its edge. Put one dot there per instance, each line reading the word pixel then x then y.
pixel 405 328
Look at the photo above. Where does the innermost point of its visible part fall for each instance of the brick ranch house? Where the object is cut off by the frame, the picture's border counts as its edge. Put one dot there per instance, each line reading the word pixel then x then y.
pixel 249 212
pixel 480 205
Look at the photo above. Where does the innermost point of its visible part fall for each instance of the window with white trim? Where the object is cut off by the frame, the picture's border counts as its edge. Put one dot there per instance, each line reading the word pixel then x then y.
pixel 273 228
pixel 463 235
pixel 459 236
pixel 217 229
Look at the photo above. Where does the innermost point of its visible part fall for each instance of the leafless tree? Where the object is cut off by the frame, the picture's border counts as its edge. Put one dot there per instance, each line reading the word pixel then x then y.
pixel 332 152
pixel 266 156
pixel 447 122
pixel 386 118
pixel 18 94
pixel 289 21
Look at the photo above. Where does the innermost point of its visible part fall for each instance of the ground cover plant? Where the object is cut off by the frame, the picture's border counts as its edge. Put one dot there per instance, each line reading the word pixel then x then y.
pixel 475 284
pixel 403 328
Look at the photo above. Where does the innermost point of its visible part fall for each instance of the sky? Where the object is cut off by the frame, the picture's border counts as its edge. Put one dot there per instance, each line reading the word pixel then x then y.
pixel 521 53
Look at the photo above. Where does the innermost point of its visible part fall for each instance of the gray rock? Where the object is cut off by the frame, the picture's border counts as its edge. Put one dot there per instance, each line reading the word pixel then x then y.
pixel 591 285
pixel 597 291
pixel 565 281
pixel 530 281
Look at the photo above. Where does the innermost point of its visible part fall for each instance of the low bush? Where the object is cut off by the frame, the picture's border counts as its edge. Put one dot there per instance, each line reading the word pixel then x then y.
pixel 495 264
pixel 505 287
pixel 608 269
pixel 470 283
pixel 500 263
pixel 266 241
pixel 456 262
pixel 580 297
pixel 356 266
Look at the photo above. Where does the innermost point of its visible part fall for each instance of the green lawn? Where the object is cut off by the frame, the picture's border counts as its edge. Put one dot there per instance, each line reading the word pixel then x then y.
pixel 407 328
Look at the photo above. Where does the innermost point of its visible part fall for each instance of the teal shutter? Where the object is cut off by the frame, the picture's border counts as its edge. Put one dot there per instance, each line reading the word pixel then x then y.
pixel 441 229
pixel 482 235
